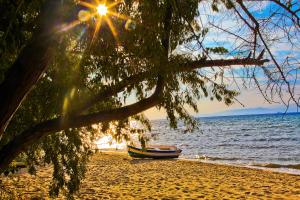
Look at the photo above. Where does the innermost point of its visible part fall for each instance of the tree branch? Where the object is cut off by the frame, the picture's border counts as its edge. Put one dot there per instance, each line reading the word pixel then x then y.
pixel 112 90
pixel 21 142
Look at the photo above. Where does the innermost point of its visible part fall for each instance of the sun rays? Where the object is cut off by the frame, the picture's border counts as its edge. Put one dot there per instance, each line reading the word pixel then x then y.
pixel 100 11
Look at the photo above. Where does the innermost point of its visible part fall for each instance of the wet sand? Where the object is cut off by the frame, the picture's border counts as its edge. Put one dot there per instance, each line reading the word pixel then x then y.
pixel 117 176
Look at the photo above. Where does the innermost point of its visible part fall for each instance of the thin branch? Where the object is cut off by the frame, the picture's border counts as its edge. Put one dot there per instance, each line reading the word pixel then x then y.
pixel 229 32
pixel 221 63
pixel 240 2
pixel 293 13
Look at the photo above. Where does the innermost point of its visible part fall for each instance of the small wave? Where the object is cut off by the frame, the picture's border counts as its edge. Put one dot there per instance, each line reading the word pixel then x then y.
pixel 204 157
pixel 254 147
pixel 275 139
pixel 247 129
pixel 183 145
pixel 259 140
pixel 290 158
pixel 283 139
pixel 226 144
pixel 274 165
pixel 272 126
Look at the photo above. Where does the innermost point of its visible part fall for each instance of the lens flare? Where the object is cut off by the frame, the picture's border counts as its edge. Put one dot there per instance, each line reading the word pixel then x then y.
pixel 130 25
pixel 84 15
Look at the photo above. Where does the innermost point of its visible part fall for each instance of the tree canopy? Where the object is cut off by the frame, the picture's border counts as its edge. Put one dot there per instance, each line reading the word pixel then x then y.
pixel 68 74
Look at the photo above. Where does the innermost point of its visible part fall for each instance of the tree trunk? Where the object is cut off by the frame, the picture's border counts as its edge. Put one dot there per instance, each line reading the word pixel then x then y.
pixel 30 64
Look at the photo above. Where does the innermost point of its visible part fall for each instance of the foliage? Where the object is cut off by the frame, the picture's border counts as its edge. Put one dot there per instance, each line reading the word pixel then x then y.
pixel 83 65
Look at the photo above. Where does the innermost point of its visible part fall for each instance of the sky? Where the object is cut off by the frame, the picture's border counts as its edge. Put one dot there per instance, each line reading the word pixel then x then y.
pixel 250 97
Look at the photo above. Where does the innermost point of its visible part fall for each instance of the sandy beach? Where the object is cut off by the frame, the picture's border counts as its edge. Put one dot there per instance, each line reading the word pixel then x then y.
pixel 117 176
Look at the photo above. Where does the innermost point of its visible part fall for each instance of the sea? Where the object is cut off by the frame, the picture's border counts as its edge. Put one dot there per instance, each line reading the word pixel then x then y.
pixel 268 141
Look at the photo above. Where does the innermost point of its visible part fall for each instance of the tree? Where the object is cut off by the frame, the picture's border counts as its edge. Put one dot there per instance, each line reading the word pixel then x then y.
pixel 60 75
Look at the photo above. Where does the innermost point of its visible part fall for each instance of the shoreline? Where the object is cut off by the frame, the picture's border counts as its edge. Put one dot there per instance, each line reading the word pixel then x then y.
pixel 282 170
pixel 114 175
pixel 278 168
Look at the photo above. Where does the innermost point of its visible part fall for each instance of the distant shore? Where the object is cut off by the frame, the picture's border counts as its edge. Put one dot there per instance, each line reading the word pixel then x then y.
pixel 246 114
pixel 117 176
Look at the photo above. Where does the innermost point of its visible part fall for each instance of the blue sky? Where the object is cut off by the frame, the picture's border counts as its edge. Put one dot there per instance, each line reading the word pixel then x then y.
pixel 250 95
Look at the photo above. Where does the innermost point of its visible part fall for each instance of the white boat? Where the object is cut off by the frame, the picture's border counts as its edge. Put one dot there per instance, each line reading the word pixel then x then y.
pixel 154 151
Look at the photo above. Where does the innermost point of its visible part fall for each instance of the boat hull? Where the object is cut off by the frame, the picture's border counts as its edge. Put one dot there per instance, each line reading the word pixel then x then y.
pixel 156 154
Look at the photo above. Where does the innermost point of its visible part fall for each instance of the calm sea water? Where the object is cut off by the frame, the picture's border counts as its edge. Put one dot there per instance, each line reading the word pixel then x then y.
pixel 271 140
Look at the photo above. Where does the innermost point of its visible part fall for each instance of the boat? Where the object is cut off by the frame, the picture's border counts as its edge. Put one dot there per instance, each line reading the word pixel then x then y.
pixel 154 151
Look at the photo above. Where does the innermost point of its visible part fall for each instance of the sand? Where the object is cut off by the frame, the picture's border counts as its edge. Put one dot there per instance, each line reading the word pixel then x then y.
pixel 117 176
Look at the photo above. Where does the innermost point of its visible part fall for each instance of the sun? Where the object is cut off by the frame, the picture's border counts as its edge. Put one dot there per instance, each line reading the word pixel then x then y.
pixel 102 9
pixel 99 12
